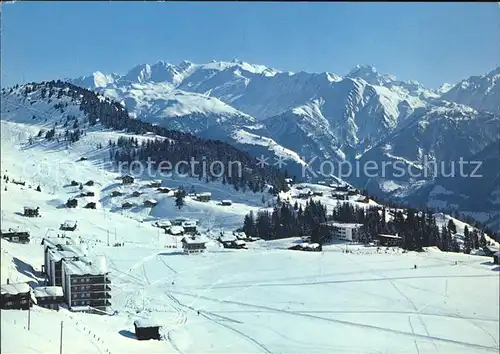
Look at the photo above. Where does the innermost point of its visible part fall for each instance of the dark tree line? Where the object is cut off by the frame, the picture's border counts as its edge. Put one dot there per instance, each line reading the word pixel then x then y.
pixel 174 146
pixel 417 229
pixel 457 215
pixel 287 220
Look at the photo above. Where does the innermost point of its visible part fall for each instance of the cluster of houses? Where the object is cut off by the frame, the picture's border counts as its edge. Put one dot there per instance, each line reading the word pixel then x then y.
pixel 179 226
pixel 235 240
pixel 150 203
pixel 306 193
pixel 192 241
pixel 338 192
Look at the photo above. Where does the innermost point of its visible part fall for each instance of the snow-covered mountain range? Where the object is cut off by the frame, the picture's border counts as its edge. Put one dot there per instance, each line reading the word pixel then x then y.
pixel 364 115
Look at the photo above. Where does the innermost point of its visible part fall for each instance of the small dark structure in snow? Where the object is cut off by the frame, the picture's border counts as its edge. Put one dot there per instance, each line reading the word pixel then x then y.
pixel 363 199
pixel 19 182
pixel 127 205
pixel 229 240
pixel 127 179
pixel 179 220
pixel 241 235
pixel 87 194
pixel 308 247
pixel 175 230
pixel 15 296
pixel 163 224
pixel 318 193
pixel 203 197
pixel 389 240
pixel 83 158
pixel 31 211
pixel 344 188
pixel 304 193
pixel 116 193
pixel 339 195
pixel 150 203
pixel 163 190
pixel 74 183
pixel 18 236
pixel 71 203
pixel 49 297
pixel 192 244
pixel 137 193
pixel 155 184
pixel 490 251
pixel 190 226
pixel 496 257
pixel 68 226
pixel 89 183
pixel 226 202
pixel 90 205
pixel 146 329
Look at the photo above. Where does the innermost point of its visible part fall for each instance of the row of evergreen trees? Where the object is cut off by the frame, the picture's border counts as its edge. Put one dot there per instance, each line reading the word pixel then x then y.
pixel 174 146
pixel 417 229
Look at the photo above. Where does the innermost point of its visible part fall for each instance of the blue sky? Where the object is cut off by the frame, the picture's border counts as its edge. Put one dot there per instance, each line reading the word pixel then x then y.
pixel 428 42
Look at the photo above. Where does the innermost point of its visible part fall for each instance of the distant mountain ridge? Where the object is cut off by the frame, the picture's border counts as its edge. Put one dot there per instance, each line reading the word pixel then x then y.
pixel 362 116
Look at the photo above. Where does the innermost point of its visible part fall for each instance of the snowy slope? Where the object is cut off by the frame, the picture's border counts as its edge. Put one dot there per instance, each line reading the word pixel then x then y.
pixel 175 109
pixel 429 145
pixel 262 300
pixel 481 92
pixel 378 296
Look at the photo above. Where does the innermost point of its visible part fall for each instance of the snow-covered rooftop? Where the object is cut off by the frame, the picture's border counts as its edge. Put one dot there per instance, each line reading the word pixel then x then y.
pixel 203 194
pixel 66 254
pixel 14 289
pixel 69 223
pixel 85 266
pixel 343 225
pixel 17 229
pixel 227 237
pixel 240 234
pixel 176 230
pixel 146 322
pixel 163 223
pixel 390 236
pixel 53 242
pixel 189 223
pixel 194 240
pixel 48 291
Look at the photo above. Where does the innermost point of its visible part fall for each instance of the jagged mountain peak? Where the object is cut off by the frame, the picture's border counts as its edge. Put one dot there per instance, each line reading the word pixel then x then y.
pixel 480 92
pixel 370 74
pixel 444 88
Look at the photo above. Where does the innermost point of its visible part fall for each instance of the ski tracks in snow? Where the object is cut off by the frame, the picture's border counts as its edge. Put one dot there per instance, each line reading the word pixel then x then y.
pixel 220 323
pixel 347 323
